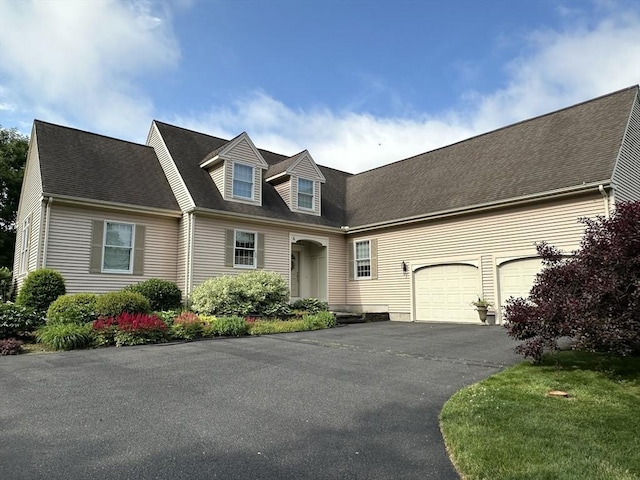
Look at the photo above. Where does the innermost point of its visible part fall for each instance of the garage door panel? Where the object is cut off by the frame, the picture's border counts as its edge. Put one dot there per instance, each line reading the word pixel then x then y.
pixel 516 278
pixel 443 293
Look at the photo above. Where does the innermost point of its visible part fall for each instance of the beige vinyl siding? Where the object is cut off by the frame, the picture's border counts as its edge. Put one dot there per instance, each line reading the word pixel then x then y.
pixel 69 249
pixel 478 238
pixel 217 175
pixel 30 205
pixel 170 170
pixel 305 168
pixel 209 252
pixel 626 175
pixel 284 190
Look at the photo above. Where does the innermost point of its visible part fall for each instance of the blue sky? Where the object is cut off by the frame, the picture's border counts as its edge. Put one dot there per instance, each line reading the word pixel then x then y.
pixel 358 83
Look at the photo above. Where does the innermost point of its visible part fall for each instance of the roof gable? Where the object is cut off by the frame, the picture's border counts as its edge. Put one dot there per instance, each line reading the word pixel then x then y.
pixel 230 150
pixel 300 165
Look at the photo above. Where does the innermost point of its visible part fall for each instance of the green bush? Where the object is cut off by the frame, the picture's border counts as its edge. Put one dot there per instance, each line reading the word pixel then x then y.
pixel 17 321
pixel 224 326
pixel 113 304
pixel 6 284
pixel 258 292
pixel 167 316
pixel 266 327
pixel 40 289
pixel 328 318
pixel 162 294
pixel 187 326
pixel 73 308
pixel 310 305
pixel 65 336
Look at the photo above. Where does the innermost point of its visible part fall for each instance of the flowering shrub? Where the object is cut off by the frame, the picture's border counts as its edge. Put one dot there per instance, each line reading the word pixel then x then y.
pixel 10 346
pixel 592 297
pixel 187 326
pixel 129 329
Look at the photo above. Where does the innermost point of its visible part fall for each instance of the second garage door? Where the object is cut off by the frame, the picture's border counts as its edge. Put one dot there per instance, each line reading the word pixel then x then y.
pixel 516 277
pixel 444 293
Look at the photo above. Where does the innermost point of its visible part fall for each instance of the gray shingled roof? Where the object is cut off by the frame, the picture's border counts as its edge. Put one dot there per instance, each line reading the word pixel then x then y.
pixel 80 164
pixel 188 148
pixel 282 166
pixel 566 148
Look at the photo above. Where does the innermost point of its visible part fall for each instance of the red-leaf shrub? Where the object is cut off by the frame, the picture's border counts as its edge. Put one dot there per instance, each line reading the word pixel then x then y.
pixel 130 329
pixel 187 326
pixel 592 297
pixel 10 346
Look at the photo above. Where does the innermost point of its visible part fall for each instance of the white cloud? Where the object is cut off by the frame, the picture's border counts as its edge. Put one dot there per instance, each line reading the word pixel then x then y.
pixel 80 59
pixel 559 68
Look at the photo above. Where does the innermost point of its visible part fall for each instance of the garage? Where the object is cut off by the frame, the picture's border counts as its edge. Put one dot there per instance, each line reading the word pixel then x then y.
pixel 516 277
pixel 444 293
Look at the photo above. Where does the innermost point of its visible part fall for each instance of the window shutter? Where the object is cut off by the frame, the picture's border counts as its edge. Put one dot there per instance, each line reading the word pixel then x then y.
pixel 138 251
pixel 260 251
pixel 350 247
pixel 97 239
pixel 373 252
pixel 230 240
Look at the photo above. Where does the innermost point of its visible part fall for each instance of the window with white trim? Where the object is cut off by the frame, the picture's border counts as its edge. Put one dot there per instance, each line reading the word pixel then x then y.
pixel 244 252
pixel 362 259
pixel 118 247
pixel 24 249
pixel 243 181
pixel 305 194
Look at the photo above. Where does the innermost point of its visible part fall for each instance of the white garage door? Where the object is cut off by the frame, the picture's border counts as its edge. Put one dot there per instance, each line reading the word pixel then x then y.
pixel 445 292
pixel 516 277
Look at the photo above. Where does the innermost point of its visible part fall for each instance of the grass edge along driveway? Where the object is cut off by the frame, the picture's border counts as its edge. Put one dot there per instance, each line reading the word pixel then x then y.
pixel 509 427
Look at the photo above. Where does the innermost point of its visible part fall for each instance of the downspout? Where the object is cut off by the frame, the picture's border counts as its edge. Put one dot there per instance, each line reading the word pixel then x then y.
pixel 605 197
pixel 47 218
pixel 190 255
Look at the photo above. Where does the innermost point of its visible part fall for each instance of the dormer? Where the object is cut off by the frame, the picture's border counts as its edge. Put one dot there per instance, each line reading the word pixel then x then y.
pixel 236 169
pixel 298 180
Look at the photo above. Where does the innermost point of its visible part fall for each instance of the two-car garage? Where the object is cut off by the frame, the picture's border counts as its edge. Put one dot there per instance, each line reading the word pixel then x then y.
pixel 444 292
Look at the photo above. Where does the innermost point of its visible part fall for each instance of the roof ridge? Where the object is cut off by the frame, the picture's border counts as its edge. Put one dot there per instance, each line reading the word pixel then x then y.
pixel 109 137
pixel 520 122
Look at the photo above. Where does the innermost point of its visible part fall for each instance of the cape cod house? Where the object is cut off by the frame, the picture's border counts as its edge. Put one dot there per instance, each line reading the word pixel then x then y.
pixel 419 238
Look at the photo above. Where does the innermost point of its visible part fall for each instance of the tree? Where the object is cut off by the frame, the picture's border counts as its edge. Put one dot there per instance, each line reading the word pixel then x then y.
pixel 13 158
pixel 592 297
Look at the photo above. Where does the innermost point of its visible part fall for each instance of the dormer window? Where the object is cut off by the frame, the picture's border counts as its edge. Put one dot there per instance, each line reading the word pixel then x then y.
pixel 243 181
pixel 305 194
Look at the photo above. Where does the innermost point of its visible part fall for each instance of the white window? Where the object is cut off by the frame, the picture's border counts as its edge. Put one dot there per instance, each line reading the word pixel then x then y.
pixel 305 194
pixel 242 181
pixel 362 259
pixel 244 253
pixel 24 249
pixel 118 247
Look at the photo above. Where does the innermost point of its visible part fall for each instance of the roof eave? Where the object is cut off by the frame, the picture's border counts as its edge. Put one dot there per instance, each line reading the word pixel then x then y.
pixel 482 207
pixel 89 202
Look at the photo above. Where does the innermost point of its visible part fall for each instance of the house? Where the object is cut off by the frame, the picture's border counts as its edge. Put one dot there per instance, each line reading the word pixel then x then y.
pixel 419 238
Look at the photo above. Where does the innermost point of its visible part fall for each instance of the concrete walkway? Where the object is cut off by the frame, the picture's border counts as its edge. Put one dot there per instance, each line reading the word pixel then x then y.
pixel 355 402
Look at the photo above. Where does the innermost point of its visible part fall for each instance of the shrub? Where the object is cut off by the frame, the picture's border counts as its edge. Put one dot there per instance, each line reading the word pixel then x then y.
pixel 40 288
pixel 167 316
pixel 327 318
pixel 187 326
pixel 162 294
pixel 138 329
pixel 10 346
pixel 310 305
pixel 113 304
pixel 266 327
pixel 592 297
pixel 73 308
pixel 6 284
pixel 258 292
pixel 16 320
pixel 65 336
pixel 224 326
pixel 104 330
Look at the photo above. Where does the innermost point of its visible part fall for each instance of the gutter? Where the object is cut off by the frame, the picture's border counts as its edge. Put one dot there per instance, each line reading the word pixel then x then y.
pixel 263 220
pixel 483 207
pixel 85 202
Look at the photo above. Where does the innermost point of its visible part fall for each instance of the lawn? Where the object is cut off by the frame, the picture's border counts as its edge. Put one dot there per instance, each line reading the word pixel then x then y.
pixel 509 427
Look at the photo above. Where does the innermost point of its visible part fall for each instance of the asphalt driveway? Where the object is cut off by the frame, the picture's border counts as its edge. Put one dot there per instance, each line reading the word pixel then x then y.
pixel 354 402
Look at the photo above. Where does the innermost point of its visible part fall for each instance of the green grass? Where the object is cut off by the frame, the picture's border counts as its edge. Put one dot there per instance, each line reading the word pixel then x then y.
pixel 506 427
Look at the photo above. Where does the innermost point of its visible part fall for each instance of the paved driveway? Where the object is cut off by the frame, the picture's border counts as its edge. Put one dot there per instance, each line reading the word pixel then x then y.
pixel 354 402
